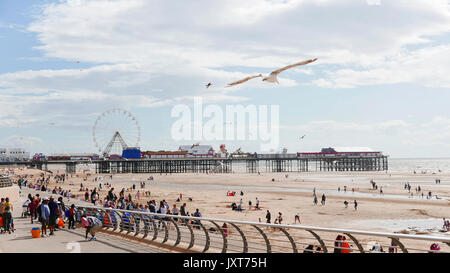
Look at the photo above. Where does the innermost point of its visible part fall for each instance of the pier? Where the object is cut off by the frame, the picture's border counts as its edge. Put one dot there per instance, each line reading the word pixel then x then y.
pixel 314 163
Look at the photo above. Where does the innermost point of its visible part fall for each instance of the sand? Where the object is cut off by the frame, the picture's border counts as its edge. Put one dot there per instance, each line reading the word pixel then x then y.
pixel 294 195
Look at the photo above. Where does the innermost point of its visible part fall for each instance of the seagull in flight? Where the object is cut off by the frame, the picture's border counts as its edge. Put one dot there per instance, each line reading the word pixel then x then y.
pixel 302 137
pixel 208 85
pixel 194 145
pixel 243 80
pixel 273 75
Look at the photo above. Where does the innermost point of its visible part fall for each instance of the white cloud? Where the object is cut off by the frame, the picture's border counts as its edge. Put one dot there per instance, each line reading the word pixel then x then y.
pixel 152 53
pixel 429 66
pixel 397 138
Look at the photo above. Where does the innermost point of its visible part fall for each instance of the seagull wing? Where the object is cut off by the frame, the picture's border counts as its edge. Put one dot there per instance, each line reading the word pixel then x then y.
pixel 244 80
pixel 293 65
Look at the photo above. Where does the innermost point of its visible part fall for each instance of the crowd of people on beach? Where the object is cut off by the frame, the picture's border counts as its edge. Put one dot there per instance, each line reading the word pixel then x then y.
pixel 48 211
pixel 418 190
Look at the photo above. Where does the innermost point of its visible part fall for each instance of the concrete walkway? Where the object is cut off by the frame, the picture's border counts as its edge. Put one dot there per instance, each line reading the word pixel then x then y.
pixel 64 241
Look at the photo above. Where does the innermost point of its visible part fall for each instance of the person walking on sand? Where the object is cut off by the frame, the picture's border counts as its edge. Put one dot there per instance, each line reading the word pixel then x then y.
pixel 268 216
pixel 257 204
pixel 315 200
pixel 323 199
pixel 297 217
pixel 356 205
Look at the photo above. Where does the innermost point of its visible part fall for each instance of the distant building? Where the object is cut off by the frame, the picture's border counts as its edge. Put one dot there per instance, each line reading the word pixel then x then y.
pixel 198 150
pixel 346 150
pixel 13 154
pixel 164 154
pixel 343 152
pixel 75 156
pixel 131 153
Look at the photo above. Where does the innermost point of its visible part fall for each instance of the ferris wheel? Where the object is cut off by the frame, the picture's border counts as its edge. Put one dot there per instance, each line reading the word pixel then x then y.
pixel 115 130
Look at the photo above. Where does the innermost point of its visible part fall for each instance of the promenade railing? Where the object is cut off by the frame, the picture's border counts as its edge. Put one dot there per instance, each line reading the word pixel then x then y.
pixel 194 234
pixel 5 182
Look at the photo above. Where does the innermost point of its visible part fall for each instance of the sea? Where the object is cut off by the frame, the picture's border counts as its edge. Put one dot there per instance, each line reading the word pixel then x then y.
pixel 428 165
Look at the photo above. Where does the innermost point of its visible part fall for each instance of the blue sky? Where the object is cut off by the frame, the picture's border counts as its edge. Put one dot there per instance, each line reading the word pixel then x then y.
pixel 381 80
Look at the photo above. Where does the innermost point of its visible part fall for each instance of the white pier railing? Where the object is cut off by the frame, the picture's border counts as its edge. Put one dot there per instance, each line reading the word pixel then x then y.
pixel 210 235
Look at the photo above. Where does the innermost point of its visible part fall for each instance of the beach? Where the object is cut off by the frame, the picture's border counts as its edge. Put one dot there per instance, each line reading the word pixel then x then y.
pixel 290 193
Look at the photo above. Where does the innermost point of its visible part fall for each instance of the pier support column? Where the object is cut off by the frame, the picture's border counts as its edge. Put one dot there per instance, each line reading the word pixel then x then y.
pixel 71 168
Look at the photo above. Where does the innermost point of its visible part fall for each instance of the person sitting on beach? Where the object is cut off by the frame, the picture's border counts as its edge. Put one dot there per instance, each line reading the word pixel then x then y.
pixel 346 204
pixel 309 249
pixel 338 244
pixel 434 248
pixel 225 229
pixel 233 206
pixel 197 214
pixel 280 218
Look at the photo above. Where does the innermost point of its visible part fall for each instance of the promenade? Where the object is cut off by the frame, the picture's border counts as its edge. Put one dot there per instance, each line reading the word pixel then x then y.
pixel 64 240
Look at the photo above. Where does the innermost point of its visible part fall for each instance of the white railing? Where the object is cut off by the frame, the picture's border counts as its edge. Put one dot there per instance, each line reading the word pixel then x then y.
pixel 221 235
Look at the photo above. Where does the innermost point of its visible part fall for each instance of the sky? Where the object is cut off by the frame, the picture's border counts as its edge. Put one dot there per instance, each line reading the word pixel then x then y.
pixel 381 79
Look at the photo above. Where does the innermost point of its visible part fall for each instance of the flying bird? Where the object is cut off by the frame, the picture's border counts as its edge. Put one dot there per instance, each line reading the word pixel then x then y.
pixel 208 85
pixel 243 80
pixel 302 137
pixel 194 145
pixel 273 75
